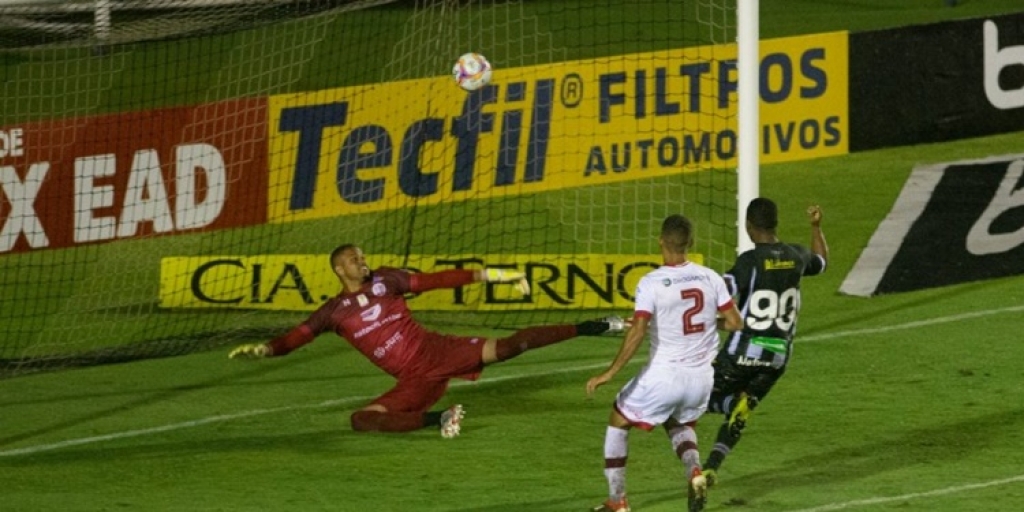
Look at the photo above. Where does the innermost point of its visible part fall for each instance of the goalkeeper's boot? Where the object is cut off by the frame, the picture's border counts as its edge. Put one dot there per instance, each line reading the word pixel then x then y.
pixel 698 491
pixel 610 324
pixel 739 415
pixel 711 476
pixel 451 421
pixel 611 505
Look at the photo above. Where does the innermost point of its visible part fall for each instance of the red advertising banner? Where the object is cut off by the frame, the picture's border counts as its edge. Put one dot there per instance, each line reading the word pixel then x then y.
pixel 97 179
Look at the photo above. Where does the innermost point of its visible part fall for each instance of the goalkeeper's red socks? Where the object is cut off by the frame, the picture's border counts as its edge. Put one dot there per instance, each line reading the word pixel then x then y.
pixel 531 338
pixel 537 337
pixel 377 421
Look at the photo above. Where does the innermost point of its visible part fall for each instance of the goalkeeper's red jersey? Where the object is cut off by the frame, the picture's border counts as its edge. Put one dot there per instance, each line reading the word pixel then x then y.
pixel 376 319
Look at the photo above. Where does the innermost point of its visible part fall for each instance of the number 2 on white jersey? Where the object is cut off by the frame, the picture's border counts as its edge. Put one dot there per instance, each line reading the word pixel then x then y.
pixel 697 296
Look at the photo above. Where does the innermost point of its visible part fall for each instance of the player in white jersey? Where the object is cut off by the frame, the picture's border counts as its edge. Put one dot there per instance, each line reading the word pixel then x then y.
pixel 679 303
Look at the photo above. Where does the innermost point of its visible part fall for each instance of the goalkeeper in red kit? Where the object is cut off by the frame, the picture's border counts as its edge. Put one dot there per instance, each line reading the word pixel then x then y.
pixel 371 313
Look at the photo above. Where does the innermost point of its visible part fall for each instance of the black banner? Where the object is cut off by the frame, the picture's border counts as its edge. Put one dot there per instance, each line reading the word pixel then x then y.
pixel 952 223
pixel 935 83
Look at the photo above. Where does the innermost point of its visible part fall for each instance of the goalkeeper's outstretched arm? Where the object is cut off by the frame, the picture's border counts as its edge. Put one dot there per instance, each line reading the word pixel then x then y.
pixel 498 275
pixel 279 346
pixel 458 277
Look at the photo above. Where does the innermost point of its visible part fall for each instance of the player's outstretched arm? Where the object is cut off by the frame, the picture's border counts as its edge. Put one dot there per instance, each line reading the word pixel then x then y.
pixel 818 244
pixel 498 275
pixel 279 346
pixel 455 278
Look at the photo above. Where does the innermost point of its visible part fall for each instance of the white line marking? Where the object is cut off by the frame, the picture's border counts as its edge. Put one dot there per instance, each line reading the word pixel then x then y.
pixel 167 428
pixel 910 325
pixel 341 401
pixel 259 412
pixel 913 495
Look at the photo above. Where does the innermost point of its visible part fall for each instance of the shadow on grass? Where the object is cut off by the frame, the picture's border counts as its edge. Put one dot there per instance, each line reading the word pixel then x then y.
pixel 144 398
pixel 342 439
pixel 553 505
pixel 821 470
pixel 155 348
pixel 496 394
pixel 252 375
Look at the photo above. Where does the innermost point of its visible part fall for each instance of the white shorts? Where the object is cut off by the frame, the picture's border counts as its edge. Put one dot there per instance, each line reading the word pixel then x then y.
pixel 663 391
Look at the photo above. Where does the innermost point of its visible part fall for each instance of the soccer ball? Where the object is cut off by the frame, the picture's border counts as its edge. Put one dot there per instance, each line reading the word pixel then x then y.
pixel 472 71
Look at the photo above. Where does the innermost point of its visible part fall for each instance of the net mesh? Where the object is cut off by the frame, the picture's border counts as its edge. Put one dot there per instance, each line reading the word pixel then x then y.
pixel 232 131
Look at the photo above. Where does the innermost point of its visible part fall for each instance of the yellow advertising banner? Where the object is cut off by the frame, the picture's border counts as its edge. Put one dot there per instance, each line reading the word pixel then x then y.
pixel 301 282
pixel 555 126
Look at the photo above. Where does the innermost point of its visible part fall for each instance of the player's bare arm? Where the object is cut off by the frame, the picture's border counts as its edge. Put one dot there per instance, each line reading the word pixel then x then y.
pixel 730 320
pixel 630 343
pixel 818 244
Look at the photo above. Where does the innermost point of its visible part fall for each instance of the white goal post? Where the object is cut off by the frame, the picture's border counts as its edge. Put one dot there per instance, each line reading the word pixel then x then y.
pixel 748 172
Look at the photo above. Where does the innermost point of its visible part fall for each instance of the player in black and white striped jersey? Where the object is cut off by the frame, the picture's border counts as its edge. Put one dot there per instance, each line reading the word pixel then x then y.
pixel 766 284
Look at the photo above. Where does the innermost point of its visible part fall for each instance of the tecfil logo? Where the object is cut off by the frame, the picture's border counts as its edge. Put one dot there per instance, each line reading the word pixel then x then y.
pixel 996 60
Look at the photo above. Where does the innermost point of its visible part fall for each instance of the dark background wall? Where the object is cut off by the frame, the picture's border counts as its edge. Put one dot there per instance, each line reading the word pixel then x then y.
pixel 926 83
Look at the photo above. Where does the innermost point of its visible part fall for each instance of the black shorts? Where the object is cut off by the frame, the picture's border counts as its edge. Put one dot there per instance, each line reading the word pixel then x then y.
pixel 731 377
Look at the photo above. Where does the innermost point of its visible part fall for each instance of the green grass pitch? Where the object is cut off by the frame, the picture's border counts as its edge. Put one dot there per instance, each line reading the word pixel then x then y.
pixel 901 402
pixel 907 402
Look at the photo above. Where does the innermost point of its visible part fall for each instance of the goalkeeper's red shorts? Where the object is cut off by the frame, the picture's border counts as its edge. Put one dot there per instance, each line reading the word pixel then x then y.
pixel 439 359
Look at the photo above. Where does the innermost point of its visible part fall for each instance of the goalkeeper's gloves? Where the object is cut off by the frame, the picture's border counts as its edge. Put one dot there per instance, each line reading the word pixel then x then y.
pixel 253 351
pixel 497 275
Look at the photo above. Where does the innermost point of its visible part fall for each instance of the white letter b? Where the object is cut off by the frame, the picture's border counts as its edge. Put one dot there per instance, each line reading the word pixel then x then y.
pixel 995 60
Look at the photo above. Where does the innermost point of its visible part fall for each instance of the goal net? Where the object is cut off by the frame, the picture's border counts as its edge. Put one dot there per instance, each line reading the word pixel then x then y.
pixel 174 173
